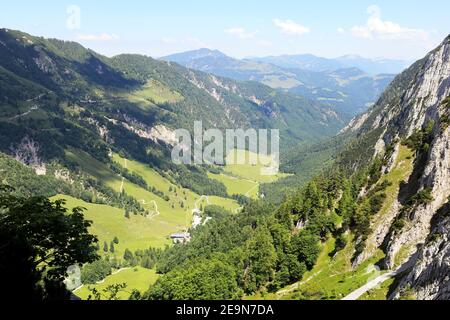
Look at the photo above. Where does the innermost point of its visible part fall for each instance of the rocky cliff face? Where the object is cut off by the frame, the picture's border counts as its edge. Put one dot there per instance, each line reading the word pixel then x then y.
pixel 418 98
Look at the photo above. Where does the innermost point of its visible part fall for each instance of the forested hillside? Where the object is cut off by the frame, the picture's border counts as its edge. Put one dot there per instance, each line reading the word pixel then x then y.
pixel 78 129
pixel 343 87
pixel 384 201
pixel 98 132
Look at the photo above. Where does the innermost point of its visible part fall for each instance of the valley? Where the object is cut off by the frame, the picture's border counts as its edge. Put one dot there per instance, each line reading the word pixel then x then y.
pixel 358 210
pixel 168 212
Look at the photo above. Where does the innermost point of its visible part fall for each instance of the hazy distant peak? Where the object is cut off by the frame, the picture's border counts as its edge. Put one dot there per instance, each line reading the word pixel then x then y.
pixel 183 57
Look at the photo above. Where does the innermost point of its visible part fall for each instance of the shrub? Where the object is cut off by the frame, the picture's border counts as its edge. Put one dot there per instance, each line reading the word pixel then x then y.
pixel 95 272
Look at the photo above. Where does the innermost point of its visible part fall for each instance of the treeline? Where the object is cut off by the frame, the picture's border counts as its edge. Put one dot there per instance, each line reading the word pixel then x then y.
pixel 266 248
pixel 137 179
pixel 27 183
pixel 262 249
pixel 98 270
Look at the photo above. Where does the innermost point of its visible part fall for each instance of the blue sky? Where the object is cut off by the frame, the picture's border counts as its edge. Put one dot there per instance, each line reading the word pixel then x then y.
pixel 402 29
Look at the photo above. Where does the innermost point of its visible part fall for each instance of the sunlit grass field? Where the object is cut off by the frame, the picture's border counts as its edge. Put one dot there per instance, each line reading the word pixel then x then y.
pixel 135 233
pixel 153 93
pixel 251 170
pixel 169 218
pixel 136 278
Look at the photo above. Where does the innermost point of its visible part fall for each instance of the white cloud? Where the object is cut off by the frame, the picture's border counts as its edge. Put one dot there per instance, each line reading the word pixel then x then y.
pixel 289 27
pixel 385 30
pixel 97 37
pixel 241 33
pixel 341 30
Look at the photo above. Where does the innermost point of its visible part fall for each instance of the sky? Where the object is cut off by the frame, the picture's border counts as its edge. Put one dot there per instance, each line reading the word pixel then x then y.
pixel 396 29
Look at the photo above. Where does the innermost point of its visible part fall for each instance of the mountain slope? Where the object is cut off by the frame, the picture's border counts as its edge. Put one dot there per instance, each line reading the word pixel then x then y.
pixel 59 81
pixel 318 64
pixel 374 66
pixel 413 112
pixel 346 90
pixel 307 62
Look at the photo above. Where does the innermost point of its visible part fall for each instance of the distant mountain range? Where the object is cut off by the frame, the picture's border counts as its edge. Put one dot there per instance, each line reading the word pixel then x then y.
pixel 314 63
pixel 133 95
pixel 348 84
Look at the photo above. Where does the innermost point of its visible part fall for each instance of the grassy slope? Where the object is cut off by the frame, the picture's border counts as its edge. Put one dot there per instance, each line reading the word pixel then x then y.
pixel 236 185
pixel 160 224
pixel 135 233
pixel 403 168
pixel 333 277
pixel 152 93
pixel 244 179
pixel 249 171
pixel 138 232
pixel 178 194
pixel 136 278
pixel 175 218
pixel 380 293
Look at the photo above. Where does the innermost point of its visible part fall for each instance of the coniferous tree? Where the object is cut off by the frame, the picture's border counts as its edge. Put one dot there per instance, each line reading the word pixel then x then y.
pixel 128 255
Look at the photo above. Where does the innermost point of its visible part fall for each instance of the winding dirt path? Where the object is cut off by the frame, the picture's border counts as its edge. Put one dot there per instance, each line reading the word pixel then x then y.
pixel 355 295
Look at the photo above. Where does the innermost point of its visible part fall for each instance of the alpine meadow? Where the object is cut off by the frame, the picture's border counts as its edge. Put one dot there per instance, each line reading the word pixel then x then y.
pixel 139 161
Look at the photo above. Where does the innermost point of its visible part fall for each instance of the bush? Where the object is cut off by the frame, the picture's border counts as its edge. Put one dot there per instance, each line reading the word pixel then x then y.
pixel 95 272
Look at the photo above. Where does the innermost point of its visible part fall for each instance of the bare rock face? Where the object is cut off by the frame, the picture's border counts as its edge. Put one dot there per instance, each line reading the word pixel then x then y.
pixel 436 176
pixel 415 99
pixel 430 277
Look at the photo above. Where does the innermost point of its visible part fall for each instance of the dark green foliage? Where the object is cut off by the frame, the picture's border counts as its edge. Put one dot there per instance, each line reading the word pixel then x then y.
pixel 110 292
pixel 128 255
pixel 130 176
pixel 420 140
pixel 211 279
pixel 241 199
pixel 39 240
pixel 375 171
pixel 148 258
pixel 445 121
pixel 215 212
pixel 261 244
pixel 95 271
pixel 260 261
pixel 341 243
pixel 135 295
pixel 423 197
pixel 398 224
pixel 305 247
pixel 195 179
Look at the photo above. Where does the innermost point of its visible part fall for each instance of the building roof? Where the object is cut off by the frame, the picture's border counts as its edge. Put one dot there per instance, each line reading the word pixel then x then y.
pixel 180 235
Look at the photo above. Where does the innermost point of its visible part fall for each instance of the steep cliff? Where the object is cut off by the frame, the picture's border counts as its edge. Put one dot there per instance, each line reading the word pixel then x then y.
pixel 413 114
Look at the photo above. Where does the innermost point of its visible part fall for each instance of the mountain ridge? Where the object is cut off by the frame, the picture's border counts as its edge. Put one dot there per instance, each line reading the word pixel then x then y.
pixel 346 89
pixel 414 111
